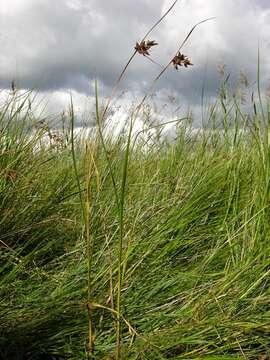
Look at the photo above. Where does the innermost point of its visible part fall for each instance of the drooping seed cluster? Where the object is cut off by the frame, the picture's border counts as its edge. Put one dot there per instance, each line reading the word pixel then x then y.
pixel 179 59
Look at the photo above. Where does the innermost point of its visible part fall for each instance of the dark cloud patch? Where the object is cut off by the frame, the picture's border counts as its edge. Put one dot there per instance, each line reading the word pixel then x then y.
pixel 67 45
pixel 265 4
pixel 61 47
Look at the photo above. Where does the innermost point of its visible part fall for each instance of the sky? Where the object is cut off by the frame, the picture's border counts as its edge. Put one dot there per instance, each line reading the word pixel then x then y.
pixel 63 45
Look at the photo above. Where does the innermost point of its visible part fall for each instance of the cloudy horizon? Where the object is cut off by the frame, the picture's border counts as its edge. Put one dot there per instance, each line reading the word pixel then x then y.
pixel 62 46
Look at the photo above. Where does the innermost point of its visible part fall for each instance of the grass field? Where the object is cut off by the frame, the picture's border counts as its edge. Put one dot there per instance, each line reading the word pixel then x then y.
pixel 157 250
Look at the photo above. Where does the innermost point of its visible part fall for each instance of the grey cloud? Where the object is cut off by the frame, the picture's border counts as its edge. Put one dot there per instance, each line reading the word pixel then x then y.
pixel 64 44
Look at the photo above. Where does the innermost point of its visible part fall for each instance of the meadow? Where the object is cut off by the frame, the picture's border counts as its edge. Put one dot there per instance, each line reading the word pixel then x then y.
pixel 132 245
pixel 133 248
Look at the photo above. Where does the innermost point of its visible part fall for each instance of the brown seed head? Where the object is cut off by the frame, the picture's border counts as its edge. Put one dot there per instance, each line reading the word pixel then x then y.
pixel 144 47
pixel 181 60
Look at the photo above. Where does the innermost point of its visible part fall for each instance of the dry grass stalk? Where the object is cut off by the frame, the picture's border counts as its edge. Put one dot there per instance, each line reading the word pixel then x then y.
pixel 142 48
pixel 130 60
pixel 169 64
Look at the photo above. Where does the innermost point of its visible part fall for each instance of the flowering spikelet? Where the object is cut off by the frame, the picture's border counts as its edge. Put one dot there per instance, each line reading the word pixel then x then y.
pixel 181 60
pixel 144 46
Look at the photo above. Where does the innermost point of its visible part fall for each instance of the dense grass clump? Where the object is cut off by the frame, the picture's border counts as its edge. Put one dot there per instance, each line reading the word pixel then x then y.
pixel 191 217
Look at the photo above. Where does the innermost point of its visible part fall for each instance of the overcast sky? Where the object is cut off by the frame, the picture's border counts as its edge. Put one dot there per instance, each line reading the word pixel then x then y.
pixel 59 45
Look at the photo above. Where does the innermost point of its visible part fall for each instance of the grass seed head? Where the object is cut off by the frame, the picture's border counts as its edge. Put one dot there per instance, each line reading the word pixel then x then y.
pixel 144 47
pixel 181 60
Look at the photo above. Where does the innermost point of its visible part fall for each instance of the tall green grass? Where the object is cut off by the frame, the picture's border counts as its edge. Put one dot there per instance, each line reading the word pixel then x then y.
pixel 165 243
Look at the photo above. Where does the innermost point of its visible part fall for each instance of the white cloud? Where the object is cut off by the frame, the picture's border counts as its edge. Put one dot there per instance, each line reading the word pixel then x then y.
pixel 13 7
pixel 233 34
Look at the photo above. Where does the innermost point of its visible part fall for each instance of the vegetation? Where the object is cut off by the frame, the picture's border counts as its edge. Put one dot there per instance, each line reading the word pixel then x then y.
pixel 133 246
pixel 193 235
